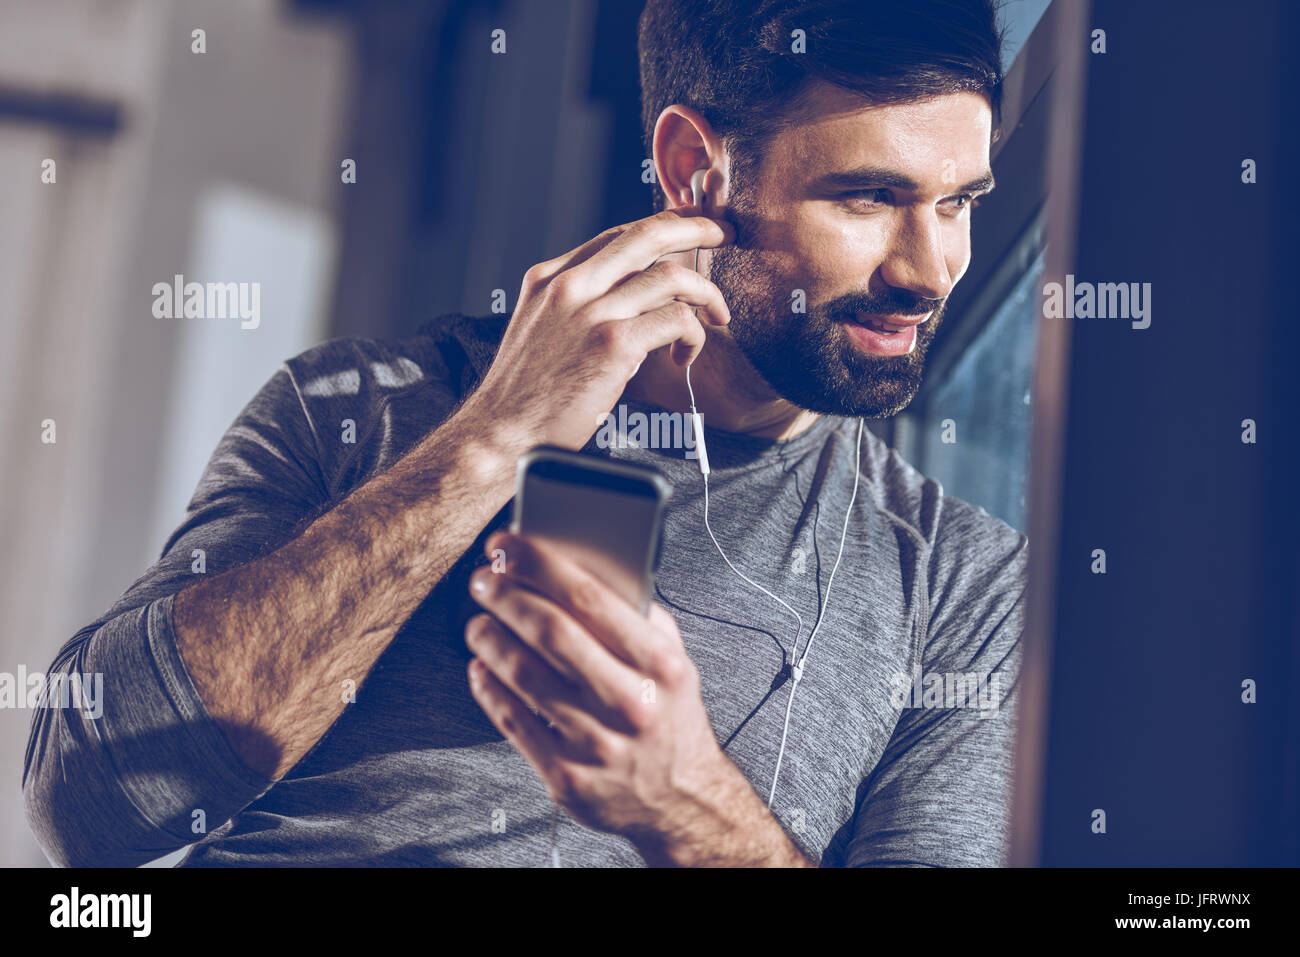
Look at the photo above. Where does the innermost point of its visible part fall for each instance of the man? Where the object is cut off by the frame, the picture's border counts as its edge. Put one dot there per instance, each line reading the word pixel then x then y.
pixel 369 670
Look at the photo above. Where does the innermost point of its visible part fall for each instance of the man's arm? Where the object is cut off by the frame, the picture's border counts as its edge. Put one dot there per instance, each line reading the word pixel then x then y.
pixel 215 689
pixel 269 644
pixel 207 676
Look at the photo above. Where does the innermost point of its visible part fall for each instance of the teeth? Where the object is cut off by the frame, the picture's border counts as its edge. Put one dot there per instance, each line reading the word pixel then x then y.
pixel 882 327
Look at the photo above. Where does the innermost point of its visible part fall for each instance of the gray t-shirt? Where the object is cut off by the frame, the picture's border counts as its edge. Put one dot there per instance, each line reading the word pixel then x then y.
pixel 900 740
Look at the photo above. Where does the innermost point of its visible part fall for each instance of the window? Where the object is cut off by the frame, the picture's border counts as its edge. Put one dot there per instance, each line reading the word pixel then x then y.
pixel 970 429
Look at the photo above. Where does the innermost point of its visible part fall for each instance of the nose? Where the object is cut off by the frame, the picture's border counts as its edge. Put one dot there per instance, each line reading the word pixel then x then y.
pixel 915 260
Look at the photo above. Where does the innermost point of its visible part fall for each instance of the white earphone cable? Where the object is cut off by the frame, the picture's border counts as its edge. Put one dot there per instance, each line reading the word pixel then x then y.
pixel 799 661
pixel 796 660
pixel 798 620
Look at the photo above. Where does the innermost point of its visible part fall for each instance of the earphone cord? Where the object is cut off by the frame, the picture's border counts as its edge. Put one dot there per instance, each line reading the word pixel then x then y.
pixel 798 668
pixel 797 660
pixel 709 529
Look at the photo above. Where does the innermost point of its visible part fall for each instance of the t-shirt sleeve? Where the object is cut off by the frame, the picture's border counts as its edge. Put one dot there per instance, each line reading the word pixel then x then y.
pixel 152 772
pixel 940 796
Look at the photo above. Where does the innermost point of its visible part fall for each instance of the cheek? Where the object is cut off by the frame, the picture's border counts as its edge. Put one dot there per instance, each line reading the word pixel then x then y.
pixel 836 258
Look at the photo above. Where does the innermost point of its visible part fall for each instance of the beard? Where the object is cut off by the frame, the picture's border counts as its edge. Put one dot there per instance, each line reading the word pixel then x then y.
pixel 808 358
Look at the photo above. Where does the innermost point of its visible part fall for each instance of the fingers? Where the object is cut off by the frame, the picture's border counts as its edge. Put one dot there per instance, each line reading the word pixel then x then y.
pixel 558 639
pixel 620 276
pixel 632 249
pixel 657 286
pixel 544 271
pixel 638 641
pixel 531 679
pixel 523 729
pixel 647 241
pixel 672 324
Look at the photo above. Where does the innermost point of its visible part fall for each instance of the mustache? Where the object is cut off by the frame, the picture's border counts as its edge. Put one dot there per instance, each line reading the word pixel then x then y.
pixel 896 302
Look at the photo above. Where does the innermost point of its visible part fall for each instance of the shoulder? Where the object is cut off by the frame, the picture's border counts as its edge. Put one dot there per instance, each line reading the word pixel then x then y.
pixel 971 558
pixel 946 526
pixel 362 367
pixel 979 564
pixel 353 403
pixel 446 355
pixel 358 369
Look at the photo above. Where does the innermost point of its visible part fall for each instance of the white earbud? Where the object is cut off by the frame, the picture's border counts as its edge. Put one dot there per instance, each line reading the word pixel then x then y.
pixel 697 187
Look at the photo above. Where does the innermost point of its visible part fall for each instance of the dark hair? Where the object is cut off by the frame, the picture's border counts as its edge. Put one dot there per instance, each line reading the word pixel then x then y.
pixel 732 60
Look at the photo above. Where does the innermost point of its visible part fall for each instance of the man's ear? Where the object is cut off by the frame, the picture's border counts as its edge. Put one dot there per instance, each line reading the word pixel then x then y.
pixel 684 143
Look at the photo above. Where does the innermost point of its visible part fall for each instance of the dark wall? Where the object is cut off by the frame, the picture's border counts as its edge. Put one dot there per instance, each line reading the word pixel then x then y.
pixel 1200 530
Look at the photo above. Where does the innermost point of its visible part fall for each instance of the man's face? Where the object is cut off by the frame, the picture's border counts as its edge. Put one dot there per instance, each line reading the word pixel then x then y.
pixel 867 211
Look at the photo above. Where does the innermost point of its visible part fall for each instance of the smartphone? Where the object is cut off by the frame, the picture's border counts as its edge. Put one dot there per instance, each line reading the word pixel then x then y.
pixel 607 516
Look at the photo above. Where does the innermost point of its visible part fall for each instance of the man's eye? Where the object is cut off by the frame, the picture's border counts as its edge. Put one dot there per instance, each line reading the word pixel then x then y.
pixel 867 197
pixel 965 200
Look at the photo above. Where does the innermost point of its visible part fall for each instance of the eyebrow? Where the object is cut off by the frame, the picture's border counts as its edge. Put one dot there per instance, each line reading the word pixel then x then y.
pixel 879 176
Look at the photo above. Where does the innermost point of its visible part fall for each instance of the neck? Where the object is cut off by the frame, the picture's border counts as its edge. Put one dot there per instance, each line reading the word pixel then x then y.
pixel 729 392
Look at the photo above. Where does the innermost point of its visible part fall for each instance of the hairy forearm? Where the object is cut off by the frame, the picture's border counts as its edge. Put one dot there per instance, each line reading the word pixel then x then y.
pixel 729 826
pixel 270 644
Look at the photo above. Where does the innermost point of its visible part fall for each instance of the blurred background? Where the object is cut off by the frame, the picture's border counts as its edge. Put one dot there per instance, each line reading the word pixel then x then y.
pixel 221 154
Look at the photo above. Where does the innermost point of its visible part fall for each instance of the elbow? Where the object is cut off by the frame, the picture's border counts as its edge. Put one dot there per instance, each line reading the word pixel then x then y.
pixel 52 813
pixel 43 797
pixel 76 822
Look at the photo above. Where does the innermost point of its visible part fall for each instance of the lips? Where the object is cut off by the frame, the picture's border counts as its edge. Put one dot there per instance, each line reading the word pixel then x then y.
pixel 888 344
pixel 888 325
